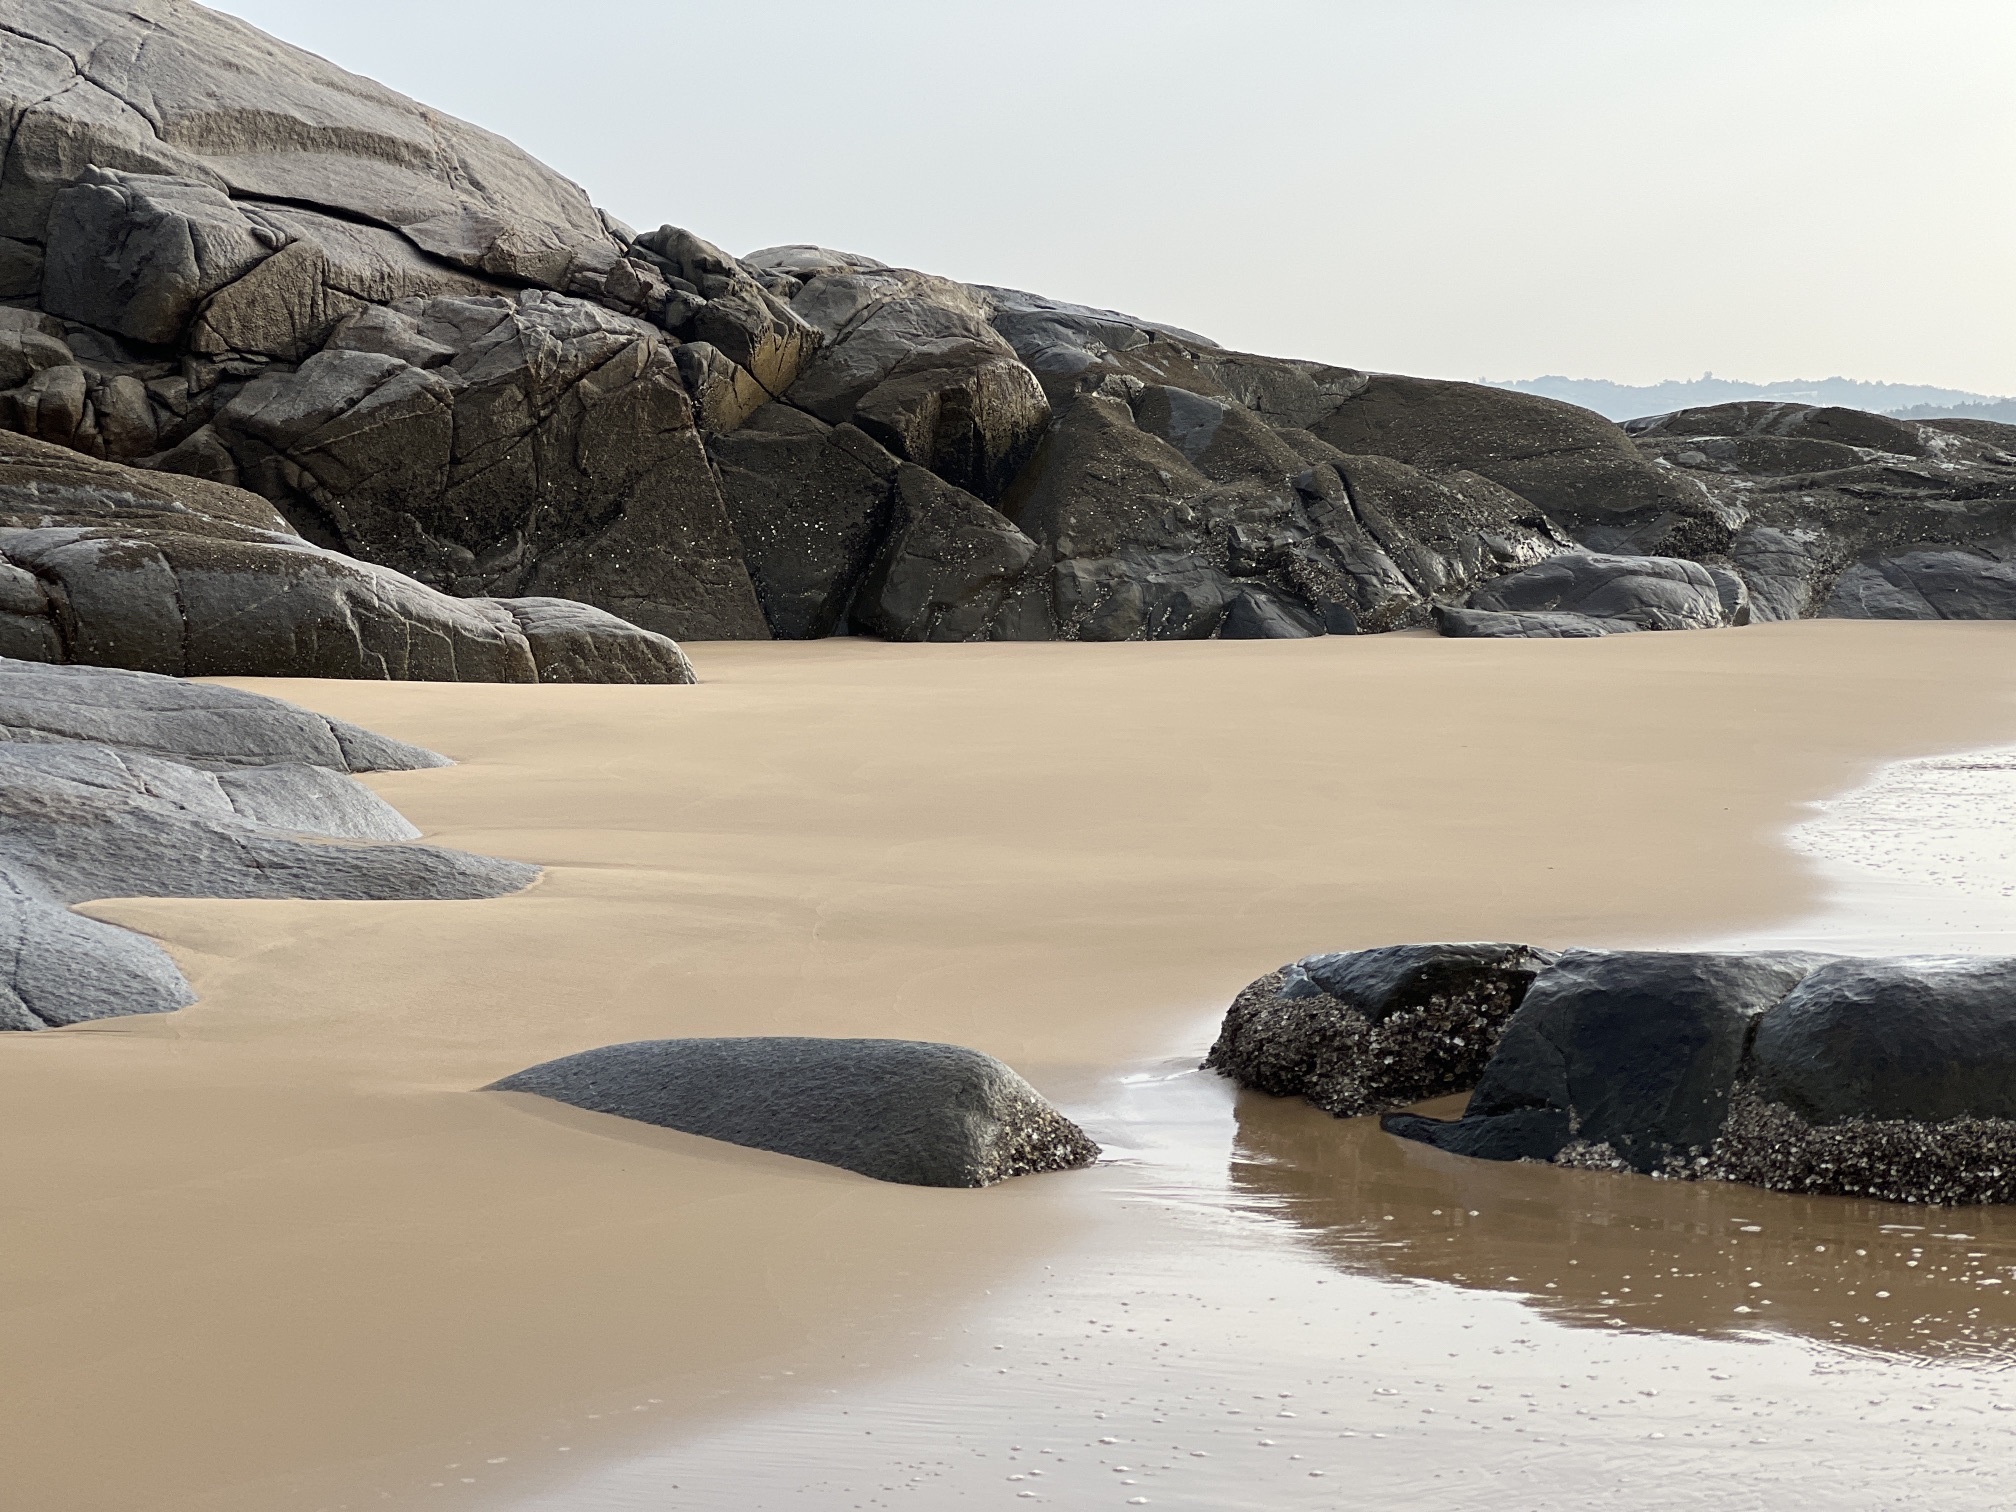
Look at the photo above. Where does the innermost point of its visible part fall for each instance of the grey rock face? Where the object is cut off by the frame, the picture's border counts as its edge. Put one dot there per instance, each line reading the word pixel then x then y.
pixel 185 92
pixel 1838 513
pixel 1585 594
pixel 1369 1030
pixel 114 566
pixel 223 258
pixel 120 784
pixel 896 1110
pixel 1926 585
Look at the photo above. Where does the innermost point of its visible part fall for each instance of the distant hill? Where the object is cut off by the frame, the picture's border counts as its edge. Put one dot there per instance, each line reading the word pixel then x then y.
pixel 1624 401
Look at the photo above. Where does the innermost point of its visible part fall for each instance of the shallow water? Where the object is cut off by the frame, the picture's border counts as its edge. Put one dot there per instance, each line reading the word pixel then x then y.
pixel 1279 1310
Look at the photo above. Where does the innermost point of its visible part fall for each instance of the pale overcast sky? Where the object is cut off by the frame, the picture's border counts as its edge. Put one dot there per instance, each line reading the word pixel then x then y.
pixel 1624 189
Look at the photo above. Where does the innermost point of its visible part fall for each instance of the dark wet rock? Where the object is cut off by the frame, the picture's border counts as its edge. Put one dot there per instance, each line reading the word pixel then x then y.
pixel 948 567
pixel 108 565
pixel 913 361
pixel 124 784
pixel 1879 1077
pixel 1636 1051
pixel 1586 593
pixel 1926 1038
pixel 1891 1078
pixel 810 503
pixel 1364 1031
pixel 897 1110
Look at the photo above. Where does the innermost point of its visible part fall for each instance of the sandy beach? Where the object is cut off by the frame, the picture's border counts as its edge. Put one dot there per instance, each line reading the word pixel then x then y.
pixel 275 1252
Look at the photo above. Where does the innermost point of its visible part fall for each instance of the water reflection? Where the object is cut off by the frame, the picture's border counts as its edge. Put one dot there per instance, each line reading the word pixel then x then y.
pixel 1619 1251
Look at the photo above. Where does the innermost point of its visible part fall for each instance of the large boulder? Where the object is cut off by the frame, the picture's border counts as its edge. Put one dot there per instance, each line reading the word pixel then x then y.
pixel 897 1110
pixel 108 565
pixel 1888 1078
pixel 1368 1030
pixel 123 784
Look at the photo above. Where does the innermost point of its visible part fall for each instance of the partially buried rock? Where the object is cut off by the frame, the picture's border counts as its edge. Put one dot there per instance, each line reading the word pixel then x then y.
pixel 124 784
pixel 1892 1078
pixel 1364 1031
pixel 897 1110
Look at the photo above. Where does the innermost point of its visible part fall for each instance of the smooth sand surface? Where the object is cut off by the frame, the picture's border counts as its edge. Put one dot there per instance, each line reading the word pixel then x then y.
pixel 274 1251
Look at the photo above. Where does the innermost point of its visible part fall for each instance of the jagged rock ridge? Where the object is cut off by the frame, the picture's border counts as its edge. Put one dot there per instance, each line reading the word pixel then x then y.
pixel 227 259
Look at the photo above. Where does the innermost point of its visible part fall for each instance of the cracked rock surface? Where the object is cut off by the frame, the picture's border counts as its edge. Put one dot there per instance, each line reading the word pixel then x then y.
pixel 1886 1077
pixel 898 1110
pixel 116 566
pixel 126 784
pixel 224 258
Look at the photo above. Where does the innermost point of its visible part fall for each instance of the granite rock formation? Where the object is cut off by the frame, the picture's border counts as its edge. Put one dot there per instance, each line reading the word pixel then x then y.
pixel 225 258
pixel 1878 1077
pixel 115 566
pixel 897 1110
pixel 123 784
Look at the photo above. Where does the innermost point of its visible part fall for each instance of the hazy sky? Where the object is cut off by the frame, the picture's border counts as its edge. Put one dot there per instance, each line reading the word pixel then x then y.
pixel 1627 189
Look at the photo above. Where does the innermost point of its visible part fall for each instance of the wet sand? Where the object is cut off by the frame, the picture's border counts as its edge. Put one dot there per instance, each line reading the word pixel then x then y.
pixel 272 1252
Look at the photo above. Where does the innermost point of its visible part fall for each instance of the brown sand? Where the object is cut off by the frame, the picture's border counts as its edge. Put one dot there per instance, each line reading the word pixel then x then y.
pixel 260 1252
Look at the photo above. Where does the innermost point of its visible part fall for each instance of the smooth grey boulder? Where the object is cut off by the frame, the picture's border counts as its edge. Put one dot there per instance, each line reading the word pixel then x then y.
pixel 897 1110
pixel 195 724
pixel 1368 1030
pixel 1589 593
pixel 119 784
pixel 109 565
pixel 1634 1051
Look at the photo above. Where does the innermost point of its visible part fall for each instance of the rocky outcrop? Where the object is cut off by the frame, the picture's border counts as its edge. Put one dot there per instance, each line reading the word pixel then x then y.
pixel 115 566
pixel 1838 513
pixel 1365 1031
pixel 124 784
pixel 897 1110
pixel 1884 1077
pixel 224 258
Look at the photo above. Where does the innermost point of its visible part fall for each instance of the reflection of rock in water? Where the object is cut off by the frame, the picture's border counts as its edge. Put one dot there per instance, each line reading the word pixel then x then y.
pixel 1598 1249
